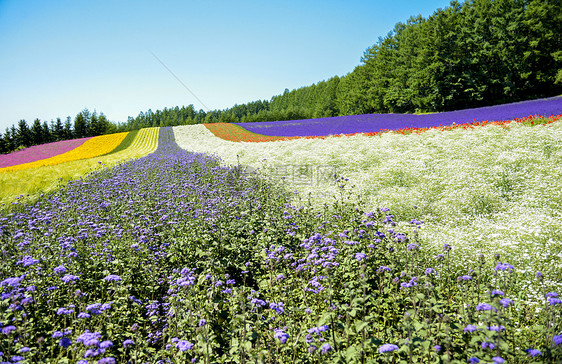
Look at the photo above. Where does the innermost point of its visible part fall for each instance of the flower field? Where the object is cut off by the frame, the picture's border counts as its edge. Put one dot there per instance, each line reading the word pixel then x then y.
pixel 34 181
pixel 235 133
pixel 91 148
pixel 374 123
pixel 442 246
pixel 491 189
pixel 39 152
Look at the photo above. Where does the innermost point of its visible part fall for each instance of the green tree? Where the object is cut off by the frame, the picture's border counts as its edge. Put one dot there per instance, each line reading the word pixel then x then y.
pixel 68 131
pixel 37 133
pixel 80 126
pixel 58 130
pixel 23 136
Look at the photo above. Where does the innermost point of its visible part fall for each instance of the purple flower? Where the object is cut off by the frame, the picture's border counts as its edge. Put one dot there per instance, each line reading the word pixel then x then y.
pixel 483 307
pixel 551 295
pixel 496 292
pixel 498 359
pixel 202 322
pixel 184 345
pixel 533 352
pixel 312 349
pixel 94 308
pixel 106 344
pixel 8 330
pixel 383 268
pixel 128 342
pixel 505 302
pixel 387 348
pixel 470 328
pixel 428 271
pixel 25 349
pixel 60 269
pixel 281 335
pixel 64 311
pixel 411 283
pixel 88 338
pixel 504 266
pixel 65 342
pixel 16 358
pixel 437 348
pixel 83 315
pixel 69 278
pixel 554 301
pixel 278 307
pixel 27 261
pixel 474 360
pixel 318 330
pixel 557 339
pixel 12 282
pixel 360 256
pixel 106 361
pixel 496 328
pixel 105 306
pixel 465 278
pixel 325 348
pixel 257 301
pixel 57 334
pixel 112 277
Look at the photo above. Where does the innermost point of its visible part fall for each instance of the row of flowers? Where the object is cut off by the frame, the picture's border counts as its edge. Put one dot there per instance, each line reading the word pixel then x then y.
pixel 237 133
pixel 93 147
pixel 369 123
pixel 38 152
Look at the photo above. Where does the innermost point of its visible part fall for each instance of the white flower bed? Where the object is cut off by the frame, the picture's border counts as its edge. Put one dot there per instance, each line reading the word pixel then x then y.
pixel 485 190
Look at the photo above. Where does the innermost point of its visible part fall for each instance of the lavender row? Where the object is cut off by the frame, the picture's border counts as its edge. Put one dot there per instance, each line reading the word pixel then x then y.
pixel 368 123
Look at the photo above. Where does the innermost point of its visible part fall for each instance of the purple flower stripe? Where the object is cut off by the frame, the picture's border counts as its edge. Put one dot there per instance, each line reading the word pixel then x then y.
pixel 38 152
pixel 369 123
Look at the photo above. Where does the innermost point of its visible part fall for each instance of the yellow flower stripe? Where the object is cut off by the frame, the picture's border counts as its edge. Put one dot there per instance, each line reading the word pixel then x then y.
pixel 94 147
pixel 40 180
pixel 145 142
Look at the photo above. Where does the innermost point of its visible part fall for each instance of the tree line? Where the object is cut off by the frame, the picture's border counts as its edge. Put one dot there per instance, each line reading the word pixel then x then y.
pixel 85 124
pixel 470 54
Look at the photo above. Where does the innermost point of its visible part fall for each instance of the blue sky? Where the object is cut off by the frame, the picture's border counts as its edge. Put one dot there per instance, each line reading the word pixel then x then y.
pixel 59 57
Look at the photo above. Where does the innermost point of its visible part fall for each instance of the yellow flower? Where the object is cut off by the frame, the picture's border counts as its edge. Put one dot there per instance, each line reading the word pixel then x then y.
pixel 94 147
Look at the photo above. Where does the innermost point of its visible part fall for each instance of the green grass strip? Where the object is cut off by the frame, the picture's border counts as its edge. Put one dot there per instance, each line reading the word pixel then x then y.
pixel 126 143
